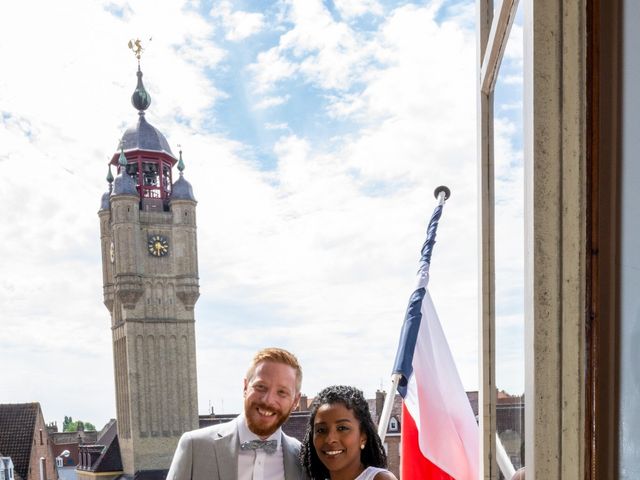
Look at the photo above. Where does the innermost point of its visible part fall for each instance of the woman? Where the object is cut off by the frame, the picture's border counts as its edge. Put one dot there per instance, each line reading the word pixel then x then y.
pixel 341 442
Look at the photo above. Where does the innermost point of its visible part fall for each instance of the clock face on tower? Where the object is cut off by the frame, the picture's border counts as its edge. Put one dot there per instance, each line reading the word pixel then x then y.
pixel 157 245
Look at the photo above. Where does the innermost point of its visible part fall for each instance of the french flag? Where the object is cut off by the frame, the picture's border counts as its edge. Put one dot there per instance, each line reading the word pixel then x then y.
pixel 440 437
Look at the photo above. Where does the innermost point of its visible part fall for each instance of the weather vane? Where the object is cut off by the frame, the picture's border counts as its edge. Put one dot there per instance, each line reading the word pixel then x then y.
pixel 136 47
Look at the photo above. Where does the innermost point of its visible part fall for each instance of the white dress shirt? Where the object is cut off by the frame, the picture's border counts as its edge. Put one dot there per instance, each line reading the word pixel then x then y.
pixel 258 464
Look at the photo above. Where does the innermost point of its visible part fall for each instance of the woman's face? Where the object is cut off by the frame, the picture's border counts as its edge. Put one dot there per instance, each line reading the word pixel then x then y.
pixel 337 440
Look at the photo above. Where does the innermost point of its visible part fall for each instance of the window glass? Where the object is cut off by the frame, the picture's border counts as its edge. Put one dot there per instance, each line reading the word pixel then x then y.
pixel 509 247
pixel 393 424
pixel 629 417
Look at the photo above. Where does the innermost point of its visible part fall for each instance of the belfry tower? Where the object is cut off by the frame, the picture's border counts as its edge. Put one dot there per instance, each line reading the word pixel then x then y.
pixel 150 275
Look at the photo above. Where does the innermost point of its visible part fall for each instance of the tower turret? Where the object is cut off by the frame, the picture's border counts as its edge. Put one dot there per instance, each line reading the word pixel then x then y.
pixel 149 158
pixel 150 275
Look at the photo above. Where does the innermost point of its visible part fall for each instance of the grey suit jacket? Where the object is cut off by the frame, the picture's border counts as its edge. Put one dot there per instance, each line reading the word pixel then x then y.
pixel 212 454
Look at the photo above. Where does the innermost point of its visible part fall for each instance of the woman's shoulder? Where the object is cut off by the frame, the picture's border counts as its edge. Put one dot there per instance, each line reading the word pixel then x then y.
pixel 376 473
pixel 385 475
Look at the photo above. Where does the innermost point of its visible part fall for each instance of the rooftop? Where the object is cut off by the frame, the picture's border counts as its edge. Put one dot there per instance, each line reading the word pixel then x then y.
pixel 17 424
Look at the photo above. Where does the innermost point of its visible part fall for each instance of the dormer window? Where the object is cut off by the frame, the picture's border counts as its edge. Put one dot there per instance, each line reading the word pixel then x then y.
pixel 6 468
pixel 393 424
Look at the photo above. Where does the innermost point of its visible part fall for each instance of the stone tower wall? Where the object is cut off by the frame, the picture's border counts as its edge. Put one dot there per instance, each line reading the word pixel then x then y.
pixel 151 300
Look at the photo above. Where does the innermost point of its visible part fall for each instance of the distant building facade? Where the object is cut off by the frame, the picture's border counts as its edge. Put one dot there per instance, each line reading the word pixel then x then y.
pixel 69 442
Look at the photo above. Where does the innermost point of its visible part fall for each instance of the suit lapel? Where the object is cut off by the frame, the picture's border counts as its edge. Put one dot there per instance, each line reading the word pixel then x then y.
pixel 227 445
pixel 226 451
pixel 292 467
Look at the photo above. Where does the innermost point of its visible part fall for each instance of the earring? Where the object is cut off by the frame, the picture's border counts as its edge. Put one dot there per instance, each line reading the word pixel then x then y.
pixel 362 447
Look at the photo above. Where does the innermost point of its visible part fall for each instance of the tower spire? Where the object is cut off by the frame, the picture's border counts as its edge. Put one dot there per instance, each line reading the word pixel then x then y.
pixel 110 178
pixel 104 202
pixel 182 189
pixel 122 159
pixel 140 98
pixel 180 162
pixel 144 153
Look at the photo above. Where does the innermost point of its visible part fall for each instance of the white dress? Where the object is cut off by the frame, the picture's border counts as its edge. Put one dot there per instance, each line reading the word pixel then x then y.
pixel 369 473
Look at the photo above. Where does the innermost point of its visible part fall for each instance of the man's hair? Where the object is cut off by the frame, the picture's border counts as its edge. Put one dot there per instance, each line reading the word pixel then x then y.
pixel 373 454
pixel 276 355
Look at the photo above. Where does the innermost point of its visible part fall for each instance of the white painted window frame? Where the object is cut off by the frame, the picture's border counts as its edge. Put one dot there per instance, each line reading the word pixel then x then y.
pixel 493 33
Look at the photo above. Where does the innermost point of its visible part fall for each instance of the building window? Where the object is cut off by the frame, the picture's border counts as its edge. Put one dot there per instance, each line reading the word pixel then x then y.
pixel 393 424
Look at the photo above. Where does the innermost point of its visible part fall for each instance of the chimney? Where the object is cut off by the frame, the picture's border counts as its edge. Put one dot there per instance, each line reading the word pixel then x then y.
pixel 380 396
pixel 303 405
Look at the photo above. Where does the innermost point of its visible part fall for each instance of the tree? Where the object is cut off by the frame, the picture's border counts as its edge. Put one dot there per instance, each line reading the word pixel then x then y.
pixel 69 425
pixel 65 424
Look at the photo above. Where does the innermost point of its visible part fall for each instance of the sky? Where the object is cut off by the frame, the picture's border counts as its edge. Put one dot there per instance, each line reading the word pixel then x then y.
pixel 314 134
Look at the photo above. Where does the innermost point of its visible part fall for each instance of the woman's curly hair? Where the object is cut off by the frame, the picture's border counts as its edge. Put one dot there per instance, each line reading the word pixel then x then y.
pixel 372 455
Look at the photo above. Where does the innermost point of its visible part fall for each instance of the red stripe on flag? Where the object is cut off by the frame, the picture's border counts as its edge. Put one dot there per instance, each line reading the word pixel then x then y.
pixel 413 465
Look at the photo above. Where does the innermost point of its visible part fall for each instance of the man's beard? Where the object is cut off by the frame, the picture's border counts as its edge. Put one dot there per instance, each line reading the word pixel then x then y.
pixel 275 421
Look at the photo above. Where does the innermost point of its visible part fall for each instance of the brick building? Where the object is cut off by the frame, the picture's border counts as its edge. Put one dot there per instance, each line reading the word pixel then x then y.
pixel 394 428
pixel 69 442
pixel 24 439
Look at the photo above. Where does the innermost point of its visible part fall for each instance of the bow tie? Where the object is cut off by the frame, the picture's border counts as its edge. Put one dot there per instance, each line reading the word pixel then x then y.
pixel 269 446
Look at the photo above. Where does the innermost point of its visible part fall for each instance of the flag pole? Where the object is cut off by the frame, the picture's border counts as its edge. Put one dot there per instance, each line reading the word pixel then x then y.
pixel 386 409
pixel 442 194
pixel 503 460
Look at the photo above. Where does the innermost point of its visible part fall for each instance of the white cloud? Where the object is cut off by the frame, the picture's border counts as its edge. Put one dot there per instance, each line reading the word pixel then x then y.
pixel 515 45
pixel 271 101
pixel 505 107
pixel 515 79
pixel 509 238
pixel 346 106
pixel 238 24
pixel 276 126
pixel 324 52
pixel 270 69
pixel 354 8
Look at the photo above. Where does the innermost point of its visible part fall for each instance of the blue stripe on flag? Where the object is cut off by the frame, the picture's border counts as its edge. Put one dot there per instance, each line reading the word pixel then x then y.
pixel 408 337
pixel 411 326
pixel 427 247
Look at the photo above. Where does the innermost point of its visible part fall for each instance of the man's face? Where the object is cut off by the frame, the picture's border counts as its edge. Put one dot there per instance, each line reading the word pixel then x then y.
pixel 269 397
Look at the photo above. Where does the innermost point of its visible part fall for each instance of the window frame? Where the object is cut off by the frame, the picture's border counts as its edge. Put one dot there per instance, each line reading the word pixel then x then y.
pixel 493 34
pixel 557 218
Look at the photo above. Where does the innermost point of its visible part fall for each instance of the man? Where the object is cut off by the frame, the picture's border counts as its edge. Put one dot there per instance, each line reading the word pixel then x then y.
pixel 253 446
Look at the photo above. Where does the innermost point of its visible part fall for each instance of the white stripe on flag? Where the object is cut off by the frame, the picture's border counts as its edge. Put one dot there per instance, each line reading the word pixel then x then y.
pixel 448 432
